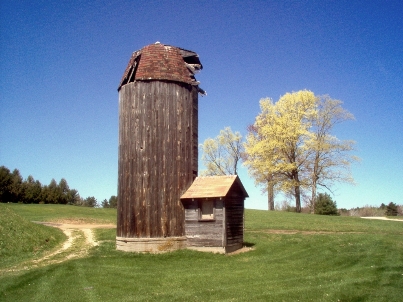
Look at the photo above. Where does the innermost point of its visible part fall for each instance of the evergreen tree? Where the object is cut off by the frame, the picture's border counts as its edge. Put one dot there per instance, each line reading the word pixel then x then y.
pixel 90 202
pixel 5 184
pixel 325 205
pixel 17 190
pixel 63 191
pixel 32 190
pixel 113 202
pixel 391 209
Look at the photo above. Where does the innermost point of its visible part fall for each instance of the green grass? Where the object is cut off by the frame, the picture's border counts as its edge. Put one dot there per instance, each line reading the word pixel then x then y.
pixel 54 212
pixel 263 220
pixel 21 239
pixel 327 259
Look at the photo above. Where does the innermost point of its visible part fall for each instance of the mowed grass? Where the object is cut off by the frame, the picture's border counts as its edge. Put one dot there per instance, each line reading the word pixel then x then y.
pixel 320 258
pixel 55 213
pixel 272 220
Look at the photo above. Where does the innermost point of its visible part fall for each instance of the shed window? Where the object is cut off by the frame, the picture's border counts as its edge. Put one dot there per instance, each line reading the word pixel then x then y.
pixel 207 209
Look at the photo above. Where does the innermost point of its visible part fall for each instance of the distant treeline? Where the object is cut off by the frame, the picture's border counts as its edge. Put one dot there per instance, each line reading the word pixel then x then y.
pixel 13 188
pixel 391 209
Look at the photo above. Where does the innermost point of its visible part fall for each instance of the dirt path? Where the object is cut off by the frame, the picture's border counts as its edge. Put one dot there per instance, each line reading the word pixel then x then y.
pixel 383 218
pixel 80 239
pixel 74 238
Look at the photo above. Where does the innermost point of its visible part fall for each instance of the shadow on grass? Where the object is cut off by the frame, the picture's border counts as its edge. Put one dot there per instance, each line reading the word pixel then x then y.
pixel 248 244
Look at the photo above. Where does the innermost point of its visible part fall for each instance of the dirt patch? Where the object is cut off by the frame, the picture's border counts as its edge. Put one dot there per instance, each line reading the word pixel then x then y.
pixel 383 218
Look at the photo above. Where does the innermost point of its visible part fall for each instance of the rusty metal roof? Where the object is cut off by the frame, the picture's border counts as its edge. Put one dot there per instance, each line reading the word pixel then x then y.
pixel 214 186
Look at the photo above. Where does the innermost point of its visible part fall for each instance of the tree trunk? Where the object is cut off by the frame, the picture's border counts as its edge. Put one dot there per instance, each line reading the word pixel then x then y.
pixel 297 193
pixel 313 198
pixel 270 195
pixel 297 199
pixel 314 181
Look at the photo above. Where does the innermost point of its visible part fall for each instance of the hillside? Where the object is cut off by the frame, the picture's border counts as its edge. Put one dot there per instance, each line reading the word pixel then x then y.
pixel 20 239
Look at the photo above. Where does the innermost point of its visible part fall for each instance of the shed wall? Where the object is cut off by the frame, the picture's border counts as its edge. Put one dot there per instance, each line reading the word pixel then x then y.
pixel 158 129
pixel 234 211
pixel 204 233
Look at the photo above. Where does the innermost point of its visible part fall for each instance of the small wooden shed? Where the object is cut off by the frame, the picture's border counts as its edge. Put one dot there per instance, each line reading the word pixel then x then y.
pixel 214 213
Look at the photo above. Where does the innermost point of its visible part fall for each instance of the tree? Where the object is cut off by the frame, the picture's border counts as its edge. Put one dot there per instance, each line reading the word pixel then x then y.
pixel 113 201
pixel 254 160
pixel 330 160
pixel 63 191
pixel 278 148
pixel 325 205
pixel 105 203
pixel 73 197
pixel 90 202
pixel 16 188
pixel 222 154
pixel 391 209
pixel 51 193
pixel 32 190
pixel 5 184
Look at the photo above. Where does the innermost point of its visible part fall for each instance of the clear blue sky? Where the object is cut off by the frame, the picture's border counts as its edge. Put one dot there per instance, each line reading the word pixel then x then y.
pixel 61 63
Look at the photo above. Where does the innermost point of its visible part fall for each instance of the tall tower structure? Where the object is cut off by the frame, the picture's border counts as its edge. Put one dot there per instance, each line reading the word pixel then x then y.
pixel 158 146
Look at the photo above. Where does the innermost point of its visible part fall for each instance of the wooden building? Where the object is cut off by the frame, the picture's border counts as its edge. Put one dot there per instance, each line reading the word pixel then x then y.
pixel 158 146
pixel 214 213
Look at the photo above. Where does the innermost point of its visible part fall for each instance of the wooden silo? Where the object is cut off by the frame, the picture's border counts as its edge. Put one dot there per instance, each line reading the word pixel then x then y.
pixel 158 147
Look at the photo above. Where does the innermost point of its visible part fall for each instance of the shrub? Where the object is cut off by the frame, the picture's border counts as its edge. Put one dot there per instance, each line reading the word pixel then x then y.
pixel 325 205
pixel 367 211
pixel 344 212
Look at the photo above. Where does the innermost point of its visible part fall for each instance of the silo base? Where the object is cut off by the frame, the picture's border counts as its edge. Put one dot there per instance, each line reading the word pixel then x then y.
pixel 150 245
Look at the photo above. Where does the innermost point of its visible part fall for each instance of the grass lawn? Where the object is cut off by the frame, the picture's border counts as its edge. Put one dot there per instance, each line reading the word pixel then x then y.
pixel 295 257
pixel 56 212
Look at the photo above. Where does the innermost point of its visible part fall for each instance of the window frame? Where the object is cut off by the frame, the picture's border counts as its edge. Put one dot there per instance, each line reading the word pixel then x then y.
pixel 200 206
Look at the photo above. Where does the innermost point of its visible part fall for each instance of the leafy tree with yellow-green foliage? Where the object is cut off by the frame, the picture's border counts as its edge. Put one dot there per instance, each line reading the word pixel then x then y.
pixel 330 161
pixel 222 154
pixel 290 147
pixel 279 145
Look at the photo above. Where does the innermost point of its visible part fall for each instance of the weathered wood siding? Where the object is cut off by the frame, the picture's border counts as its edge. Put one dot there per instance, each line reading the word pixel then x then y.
pixel 234 220
pixel 204 233
pixel 157 157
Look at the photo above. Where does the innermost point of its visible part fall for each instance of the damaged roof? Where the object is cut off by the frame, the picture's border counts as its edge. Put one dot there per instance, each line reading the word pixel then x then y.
pixel 214 186
pixel 163 62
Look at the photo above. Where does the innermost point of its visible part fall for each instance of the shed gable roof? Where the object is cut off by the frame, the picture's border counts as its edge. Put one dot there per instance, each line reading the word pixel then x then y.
pixel 214 186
